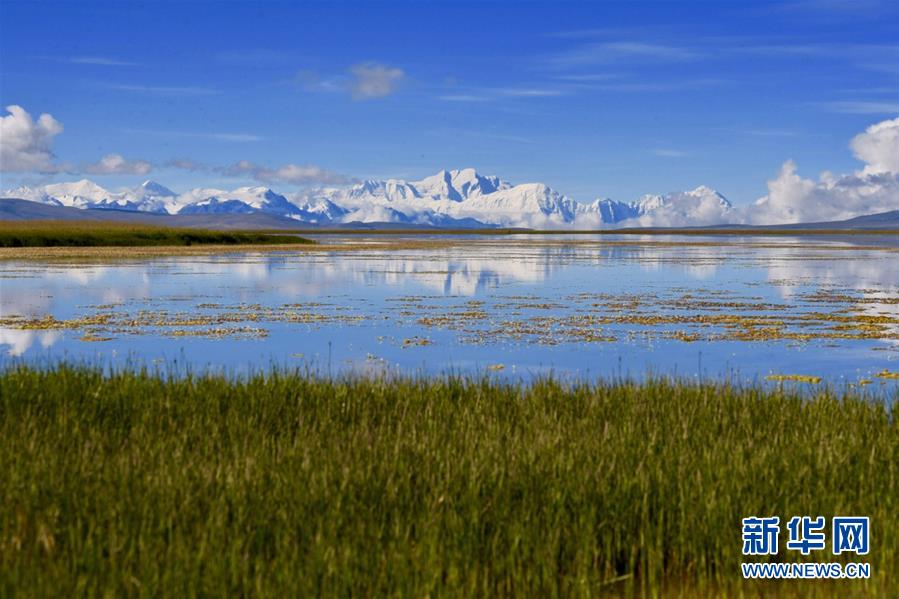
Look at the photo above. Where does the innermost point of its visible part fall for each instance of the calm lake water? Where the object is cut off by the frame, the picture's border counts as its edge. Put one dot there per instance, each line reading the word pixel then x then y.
pixel 517 307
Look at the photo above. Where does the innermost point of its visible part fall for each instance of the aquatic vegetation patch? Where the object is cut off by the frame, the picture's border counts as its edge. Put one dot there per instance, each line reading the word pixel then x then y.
pixel 204 321
pixel 794 378
pixel 608 317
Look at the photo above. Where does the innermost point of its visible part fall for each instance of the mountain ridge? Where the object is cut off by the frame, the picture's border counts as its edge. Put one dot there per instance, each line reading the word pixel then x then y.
pixel 448 196
pixel 462 195
pixel 19 209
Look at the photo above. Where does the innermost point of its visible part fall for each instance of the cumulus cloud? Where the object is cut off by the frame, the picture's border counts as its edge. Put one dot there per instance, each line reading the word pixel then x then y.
pixel 295 174
pixel 116 164
pixel 364 81
pixel 374 80
pixel 792 198
pixel 25 146
pixel 25 143
pixel 878 146
pixel 687 208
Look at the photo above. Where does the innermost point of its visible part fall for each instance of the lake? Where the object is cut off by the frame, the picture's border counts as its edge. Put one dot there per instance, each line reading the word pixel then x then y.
pixel 519 307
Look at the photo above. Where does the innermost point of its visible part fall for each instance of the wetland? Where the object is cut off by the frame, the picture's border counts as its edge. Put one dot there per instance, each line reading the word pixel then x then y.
pixel 783 309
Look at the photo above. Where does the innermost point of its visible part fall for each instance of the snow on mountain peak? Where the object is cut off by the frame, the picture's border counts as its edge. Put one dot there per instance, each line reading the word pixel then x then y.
pixel 158 189
pixel 704 190
pixel 84 188
pixel 458 185
pixel 448 197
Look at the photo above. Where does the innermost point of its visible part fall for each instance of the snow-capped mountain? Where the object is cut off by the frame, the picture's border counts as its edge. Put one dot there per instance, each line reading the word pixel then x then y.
pixel 447 198
pixel 149 196
pixel 243 200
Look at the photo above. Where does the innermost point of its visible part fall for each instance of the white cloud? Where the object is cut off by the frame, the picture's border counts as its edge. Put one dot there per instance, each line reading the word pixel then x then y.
pixel 374 80
pixel 874 189
pixel 216 135
pixel 463 98
pixel 878 146
pixel 620 52
pixel 863 107
pixel 101 61
pixel 115 164
pixel 793 199
pixel 186 164
pixel 161 90
pixel 363 81
pixel 25 143
pixel 295 174
pixel 669 153
pixel 687 208
pixel 488 94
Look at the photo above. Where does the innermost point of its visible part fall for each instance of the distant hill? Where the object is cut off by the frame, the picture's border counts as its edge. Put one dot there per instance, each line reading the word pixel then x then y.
pixel 881 220
pixel 15 209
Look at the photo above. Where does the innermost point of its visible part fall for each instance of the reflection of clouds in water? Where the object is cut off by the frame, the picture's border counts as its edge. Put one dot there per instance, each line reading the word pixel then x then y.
pixel 467 269
pixel 255 267
pixel 19 341
pixel 702 272
pixel 873 276
pixel 50 288
pixel 15 301
pixel 81 275
pixel 869 271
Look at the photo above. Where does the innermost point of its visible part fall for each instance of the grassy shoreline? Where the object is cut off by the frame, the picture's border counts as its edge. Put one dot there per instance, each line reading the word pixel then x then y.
pixel 132 483
pixel 46 234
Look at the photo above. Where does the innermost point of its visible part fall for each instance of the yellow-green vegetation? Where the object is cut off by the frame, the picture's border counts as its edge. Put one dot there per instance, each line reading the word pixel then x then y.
pixel 24 234
pixel 281 484
pixel 208 320
pixel 584 318
pixel 794 378
pixel 398 243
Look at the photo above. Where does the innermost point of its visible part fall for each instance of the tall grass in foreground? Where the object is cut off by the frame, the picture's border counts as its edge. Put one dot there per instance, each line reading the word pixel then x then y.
pixel 282 484
pixel 99 234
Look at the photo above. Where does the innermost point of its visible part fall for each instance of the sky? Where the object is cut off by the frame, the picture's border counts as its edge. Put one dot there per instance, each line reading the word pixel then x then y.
pixel 612 99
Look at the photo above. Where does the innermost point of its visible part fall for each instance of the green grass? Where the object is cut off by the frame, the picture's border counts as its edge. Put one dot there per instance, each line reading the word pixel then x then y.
pixel 287 485
pixel 90 234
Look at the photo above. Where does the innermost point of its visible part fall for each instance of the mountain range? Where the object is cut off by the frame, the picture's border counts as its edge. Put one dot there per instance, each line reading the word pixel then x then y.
pixel 457 198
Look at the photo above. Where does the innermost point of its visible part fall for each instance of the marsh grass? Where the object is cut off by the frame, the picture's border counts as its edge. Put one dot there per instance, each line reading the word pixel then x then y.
pixel 25 234
pixel 286 484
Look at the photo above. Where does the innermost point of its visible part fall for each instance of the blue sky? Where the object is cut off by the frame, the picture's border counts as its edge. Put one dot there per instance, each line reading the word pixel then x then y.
pixel 595 99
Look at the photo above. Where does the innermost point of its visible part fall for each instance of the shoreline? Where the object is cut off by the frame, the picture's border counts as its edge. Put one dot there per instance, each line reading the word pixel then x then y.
pixel 402 241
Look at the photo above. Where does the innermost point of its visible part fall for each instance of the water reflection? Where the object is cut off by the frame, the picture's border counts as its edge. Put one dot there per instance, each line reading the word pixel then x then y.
pixel 17 342
pixel 325 287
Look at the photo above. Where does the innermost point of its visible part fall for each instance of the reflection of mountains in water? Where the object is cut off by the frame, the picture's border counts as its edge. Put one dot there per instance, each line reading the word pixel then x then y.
pixel 793 269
